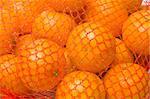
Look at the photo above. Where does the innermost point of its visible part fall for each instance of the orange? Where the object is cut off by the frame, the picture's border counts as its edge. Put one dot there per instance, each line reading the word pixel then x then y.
pixel 6 37
pixel 53 25
pixel 74 8
pixel 6 21
pixel 9 74
pixel 132 5
pixel 66 5
pixel 127 81
pixel 81 85
pixel 22 41
pixel 91 47
pixel 123 54
pixel 109 12
pixel 136 32
pixel 24 12
pixel 43 64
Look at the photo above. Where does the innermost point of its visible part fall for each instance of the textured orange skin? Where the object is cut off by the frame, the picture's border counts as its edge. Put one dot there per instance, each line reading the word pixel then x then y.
pixel 127 81
pixel 24 12
pixel 6 37
pixel 43 63
pixel 123 54
pixel 66 5
pixel 136 32
pixel 22 41
pixel 91 47
pixel 81 85
pixel 9 75
pixel 131 5
pixel 54 26
pixel 109 12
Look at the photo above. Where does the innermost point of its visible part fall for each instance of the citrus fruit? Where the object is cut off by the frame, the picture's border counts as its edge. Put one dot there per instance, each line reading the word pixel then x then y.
pixel 109 12
pixel 81 85
pixel 43 63
pixel 23 41
pixel 9 75
pixel 127 81
pixel 132 5
pixel 66 5
pixel 25 11
pixel 53 25
pixel 123 54
pixel 6 21
pixel 91 47
pixel 6 37
pixel 136 32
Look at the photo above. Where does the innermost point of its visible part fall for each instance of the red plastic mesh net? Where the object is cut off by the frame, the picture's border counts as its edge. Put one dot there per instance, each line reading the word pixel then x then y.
pixel 106 43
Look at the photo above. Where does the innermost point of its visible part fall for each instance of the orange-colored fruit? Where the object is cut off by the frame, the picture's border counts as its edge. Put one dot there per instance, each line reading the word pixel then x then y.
pixel 127 81
pixel 23 41
pixel 132 5
pixel 53 25
pixel 91 47
pixel 109 12
pixel 43 64
pixel 6 21
pixel 81 85
pixel 123 54
pixel 66 5
pixel 9 74
pixel 25 11
pixel 136 32
pixel 6 37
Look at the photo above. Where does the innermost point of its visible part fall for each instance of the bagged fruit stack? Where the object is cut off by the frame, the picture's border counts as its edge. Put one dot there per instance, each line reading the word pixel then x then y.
pixel 74 49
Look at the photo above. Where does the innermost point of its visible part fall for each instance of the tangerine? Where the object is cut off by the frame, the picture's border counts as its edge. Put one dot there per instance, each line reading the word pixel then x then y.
pixel 81 85
pixel 43 64
pixel 9 74
pixel 127 80
pixel 66 5
pixel 91 47
pixel 132 5
pixel 23 41
pixel 123 54
pixel 109 12
pixel 136 32
pixel 24 12
pixel 6 37
pixel 54 26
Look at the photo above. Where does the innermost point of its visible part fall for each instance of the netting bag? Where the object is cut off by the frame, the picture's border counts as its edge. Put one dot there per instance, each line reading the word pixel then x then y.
pixel 74 49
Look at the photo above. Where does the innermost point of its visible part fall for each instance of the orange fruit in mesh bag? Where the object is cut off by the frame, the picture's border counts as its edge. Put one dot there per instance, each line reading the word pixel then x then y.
pixel 6 37
pixel 22 42
pixel 43 64
pixel 127 81
pixel 25 11
pixel 109 12
pixel 123 54
pixel 136 32
pixel 74 8
pixel 81 85
pixel 54 26
pixel 91 47
pixel 131 5
pixel 9 74
pixel 66 5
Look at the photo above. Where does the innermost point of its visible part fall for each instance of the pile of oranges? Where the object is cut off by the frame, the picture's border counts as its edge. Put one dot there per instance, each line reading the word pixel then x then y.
pixel 74 49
